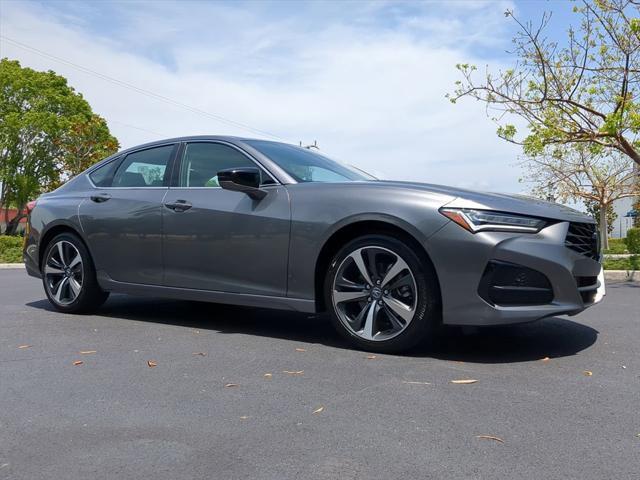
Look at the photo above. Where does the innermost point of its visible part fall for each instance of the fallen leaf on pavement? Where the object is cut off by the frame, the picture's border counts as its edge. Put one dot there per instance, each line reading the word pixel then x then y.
pixel 152 364
pixel 78 362
pixel 466 381
pixel 416 383
pixel 230 385
pixel 87 352
pixel 318 410
pixel 268 375
pixel 490 437
pixel 545 359
pixel 301 349
pixel 588 373
pixel 25 346
pixel 202 354
pixel 371 357
pixel 293 372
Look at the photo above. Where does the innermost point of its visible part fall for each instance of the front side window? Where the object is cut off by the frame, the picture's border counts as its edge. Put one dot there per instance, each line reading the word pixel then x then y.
pixel 306 166
pixel 145 168
pixel 201 163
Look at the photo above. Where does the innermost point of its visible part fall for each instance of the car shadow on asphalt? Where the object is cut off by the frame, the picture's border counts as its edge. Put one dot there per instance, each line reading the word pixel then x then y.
pixel 553 337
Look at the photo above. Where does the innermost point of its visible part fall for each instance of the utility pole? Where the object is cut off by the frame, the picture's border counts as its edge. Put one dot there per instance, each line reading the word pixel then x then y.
pixel 310 146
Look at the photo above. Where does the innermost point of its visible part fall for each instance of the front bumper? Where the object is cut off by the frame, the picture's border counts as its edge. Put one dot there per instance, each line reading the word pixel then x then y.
pixel 461 259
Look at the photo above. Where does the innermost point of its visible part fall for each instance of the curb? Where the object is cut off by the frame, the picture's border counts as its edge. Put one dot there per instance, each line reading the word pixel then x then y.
pixel 622 276
pixel 7 266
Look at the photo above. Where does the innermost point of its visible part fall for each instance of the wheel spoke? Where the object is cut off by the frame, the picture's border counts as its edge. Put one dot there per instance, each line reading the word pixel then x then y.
pixel 371 261
pixel 399 308
pixel 401 281
pixel 75 287
pixel 393 318
pixel 358 322
pixel 348 284
pixel 359 261
pixel 61 254
pixel 393 272
pixel 340 297
pixel 51 270
pixel 58 292
pixel 76 260
pixel 367 330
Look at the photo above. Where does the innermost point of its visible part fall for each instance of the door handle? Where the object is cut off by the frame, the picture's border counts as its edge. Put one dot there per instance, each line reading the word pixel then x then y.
pixel 178 205
pixel 100 197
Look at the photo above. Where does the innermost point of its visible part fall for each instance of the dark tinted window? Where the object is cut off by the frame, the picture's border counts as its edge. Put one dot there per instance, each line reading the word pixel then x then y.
pixel 202 162
pixel 145 168
pixel 305 165
pixel 101 177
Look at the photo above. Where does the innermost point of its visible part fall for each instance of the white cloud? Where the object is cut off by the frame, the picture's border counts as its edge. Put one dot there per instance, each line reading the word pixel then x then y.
pixel 368 85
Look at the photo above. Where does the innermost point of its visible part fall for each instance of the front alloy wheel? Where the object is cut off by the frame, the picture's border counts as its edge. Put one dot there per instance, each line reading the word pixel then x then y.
pixel 382 294
pixel 374 293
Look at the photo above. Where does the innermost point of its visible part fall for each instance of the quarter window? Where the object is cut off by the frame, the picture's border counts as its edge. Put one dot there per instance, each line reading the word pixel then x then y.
pixel 145 168
pixel 202 162
pixel 102 176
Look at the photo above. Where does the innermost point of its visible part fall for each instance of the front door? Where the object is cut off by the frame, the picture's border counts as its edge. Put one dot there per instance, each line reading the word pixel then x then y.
pixel 221 240
pixel 122 216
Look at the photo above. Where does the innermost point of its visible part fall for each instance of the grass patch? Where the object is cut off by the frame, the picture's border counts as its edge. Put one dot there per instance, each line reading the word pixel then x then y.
pixel 632 263
pixel 616 245
pixel 10 249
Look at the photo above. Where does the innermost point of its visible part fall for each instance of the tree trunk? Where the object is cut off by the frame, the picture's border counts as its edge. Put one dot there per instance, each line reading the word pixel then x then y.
pixel 604 226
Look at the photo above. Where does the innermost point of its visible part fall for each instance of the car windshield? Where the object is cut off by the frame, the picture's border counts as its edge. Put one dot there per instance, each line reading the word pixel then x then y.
pixel 306 166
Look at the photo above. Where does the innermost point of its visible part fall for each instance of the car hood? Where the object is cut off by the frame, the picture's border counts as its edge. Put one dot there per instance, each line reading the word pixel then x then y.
pixel 522 204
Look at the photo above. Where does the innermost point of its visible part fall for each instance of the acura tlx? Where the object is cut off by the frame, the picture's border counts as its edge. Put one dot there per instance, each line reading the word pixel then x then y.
pixel 267 224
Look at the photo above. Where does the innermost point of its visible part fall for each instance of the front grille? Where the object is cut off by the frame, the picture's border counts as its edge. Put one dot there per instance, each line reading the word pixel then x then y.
pixel 583 238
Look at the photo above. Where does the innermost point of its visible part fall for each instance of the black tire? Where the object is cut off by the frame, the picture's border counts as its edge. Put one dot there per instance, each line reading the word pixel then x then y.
pixel 427 314
pixel 91 296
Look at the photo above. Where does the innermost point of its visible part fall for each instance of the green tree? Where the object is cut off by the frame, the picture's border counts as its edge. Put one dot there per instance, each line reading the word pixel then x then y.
pixel 48 133
pixel 636 208
pixel 583 91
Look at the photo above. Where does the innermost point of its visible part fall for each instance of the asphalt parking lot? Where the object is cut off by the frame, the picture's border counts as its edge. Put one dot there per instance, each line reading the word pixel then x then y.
pixel 234 391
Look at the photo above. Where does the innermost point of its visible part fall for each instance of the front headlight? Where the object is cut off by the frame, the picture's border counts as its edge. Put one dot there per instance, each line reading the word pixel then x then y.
pixel 486 220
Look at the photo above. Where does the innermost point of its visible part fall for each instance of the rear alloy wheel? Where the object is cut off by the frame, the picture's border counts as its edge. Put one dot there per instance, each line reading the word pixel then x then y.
pixel 69 277
pixel 381 295
pixel 63 273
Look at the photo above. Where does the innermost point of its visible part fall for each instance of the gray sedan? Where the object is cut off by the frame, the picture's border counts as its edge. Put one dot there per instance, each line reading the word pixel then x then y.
pixel 260 223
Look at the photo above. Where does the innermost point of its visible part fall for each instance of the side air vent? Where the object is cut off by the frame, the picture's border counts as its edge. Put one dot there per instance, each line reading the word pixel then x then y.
pixel 509 284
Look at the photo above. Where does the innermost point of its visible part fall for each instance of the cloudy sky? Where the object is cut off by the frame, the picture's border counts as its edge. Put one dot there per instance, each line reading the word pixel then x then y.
pixel 367 80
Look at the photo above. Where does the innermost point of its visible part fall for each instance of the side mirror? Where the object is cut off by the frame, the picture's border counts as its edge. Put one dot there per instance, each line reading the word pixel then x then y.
pixel 245 179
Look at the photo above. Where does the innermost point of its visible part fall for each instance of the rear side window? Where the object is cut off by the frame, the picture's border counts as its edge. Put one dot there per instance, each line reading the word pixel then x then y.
pixel 202 162
pixel 146 168
pixel 102 176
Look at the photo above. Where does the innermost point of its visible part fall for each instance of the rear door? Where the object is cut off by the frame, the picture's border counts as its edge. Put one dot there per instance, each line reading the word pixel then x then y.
pixel 223 240
pixel 122 216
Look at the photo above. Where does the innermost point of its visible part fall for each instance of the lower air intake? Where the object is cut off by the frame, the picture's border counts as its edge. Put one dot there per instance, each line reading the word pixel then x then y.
pixel 509 284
